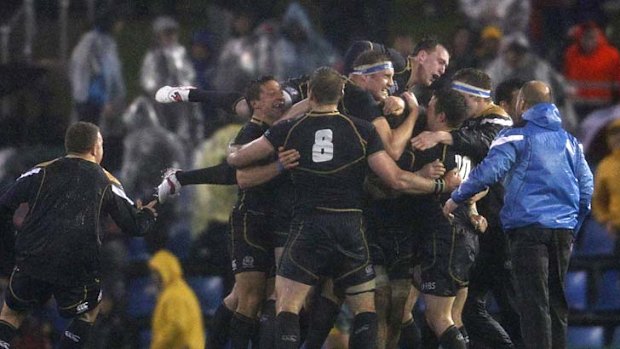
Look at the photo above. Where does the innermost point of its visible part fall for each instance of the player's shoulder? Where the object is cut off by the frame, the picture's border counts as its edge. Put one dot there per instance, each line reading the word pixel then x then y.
pixel 110 177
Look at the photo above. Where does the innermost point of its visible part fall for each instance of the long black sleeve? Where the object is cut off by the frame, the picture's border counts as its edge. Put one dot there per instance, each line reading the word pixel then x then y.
pixel 222 174
pixel 218 99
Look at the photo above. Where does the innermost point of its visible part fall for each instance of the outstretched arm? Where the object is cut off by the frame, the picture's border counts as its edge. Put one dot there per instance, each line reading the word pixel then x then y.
pixel 250 153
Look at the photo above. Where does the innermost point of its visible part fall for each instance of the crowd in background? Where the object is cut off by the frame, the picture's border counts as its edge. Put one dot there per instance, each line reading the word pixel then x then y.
pixel 551 41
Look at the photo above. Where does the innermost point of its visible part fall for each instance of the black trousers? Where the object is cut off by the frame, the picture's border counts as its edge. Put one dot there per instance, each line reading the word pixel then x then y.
pixel 492 272
pixel 540 259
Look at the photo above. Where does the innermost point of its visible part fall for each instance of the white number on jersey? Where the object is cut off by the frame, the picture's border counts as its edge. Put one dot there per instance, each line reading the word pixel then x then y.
pixel 463 164
pixel 323 148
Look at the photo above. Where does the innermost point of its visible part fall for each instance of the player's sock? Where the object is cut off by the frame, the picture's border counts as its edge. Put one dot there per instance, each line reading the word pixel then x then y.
pixel 267 324
pixel 452 338
pixel 241 330
pixel 410 335
pixel 323 314
pixel 364 331
pixel 75 335
pixel 287 331
pixel 221 325
pixel 7 333
pixel 465 335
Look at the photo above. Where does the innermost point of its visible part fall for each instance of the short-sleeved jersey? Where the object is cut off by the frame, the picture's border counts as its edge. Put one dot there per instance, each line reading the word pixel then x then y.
pixel 333 164
pixel 258 198
pixel 61 234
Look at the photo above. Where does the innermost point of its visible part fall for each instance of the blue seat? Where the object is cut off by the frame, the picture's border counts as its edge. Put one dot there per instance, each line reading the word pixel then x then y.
pixel 585 337
pixel 615 340
pixel 608 296
pixel 209 290
pixel 179 241
pixel 145 339
pixel 595 240
pixel 141 297
pixel 576 289
pixel 136 248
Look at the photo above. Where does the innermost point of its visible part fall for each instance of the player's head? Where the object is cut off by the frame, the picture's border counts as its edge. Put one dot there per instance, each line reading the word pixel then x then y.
pixel 447 109
pixel 506 94
pixel 475 86
pixel 428 62
pixel 374 73
pixel 532 93
pixel 326 86
pixel 265 98
pixel 84 138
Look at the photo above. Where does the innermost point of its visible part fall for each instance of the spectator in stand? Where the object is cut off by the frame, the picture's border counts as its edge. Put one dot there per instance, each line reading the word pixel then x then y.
pixel 510 15
pixel 487 47
pixel 95 71
pixel 516 60
pixel 168 63
pixel 606 197
pixel 177 319
pixel 463 44
pixel 592 66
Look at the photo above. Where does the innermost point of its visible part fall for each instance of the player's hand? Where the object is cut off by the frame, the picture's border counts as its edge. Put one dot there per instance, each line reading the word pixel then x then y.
pixel 433 170
pixel 169 186
pixel 479 222
pixel 448 208
pixel 424 140
pixel 412 102
pixel 453 180
pixel 288 159
pixel 478 196
pixel 150 206
pixel 394 106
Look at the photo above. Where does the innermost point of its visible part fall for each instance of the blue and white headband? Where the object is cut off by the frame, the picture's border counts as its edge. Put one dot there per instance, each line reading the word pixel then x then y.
pixel 368 69
pixel 471 90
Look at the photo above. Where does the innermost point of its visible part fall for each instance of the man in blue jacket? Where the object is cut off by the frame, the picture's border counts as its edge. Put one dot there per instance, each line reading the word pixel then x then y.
pixel 548 189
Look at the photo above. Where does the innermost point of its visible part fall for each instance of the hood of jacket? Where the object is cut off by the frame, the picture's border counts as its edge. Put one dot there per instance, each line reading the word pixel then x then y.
pixel 545 115
pixel 167 265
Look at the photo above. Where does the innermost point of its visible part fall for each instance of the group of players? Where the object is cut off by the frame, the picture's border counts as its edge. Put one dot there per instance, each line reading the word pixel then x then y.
pixel 310 213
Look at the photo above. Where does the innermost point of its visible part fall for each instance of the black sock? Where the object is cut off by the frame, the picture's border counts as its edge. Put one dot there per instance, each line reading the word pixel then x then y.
pixel 267 324
pixel 363 334
pixel 428 338
pixel 323 314
pixel 465 335
pixel 452 338
pixel 410 335
pixel 241 330
pixel 287 331
pixel 304 325
pixel 75 335
pixel 218 334
pixel 7 333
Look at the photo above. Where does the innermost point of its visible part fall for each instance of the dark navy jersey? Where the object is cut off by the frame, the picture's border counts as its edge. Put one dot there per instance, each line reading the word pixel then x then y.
pixel 359 103
pixel 332 166
pixel 61 234
pixel 258 198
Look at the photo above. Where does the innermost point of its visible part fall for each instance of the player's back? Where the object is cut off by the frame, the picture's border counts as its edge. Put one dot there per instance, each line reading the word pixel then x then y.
pixel 332 166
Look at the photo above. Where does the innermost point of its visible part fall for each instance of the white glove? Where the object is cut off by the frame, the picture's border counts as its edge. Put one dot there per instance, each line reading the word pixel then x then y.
pixel 169 186
pixel 172 94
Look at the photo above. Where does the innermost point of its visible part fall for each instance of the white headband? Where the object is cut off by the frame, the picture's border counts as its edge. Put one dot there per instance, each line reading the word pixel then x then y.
pixel 471 90
pixel 372 68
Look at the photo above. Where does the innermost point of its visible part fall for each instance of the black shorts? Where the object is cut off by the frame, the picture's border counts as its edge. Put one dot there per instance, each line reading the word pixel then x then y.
pixel 250 241
pixel 326 243
pixel 447 254
pixel 393 249
pixel 280 225
pixel 25 292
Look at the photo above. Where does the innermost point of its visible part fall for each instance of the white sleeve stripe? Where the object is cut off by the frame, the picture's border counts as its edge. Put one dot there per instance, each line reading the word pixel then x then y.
pixel 497 121
pixel 30 173
pixel 120 192
pixel 570 148
pixel 502 140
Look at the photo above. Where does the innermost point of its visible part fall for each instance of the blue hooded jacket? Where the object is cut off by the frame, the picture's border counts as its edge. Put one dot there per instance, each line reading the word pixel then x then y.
pixel 544 172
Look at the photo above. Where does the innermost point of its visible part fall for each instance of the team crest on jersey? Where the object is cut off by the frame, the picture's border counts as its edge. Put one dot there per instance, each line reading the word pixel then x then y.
pixel 369 269
pixel 248 262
